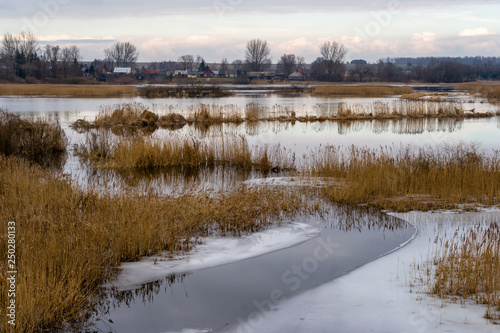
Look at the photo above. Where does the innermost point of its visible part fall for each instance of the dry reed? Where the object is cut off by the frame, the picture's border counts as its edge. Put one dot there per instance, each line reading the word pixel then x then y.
pixel 410 178
pixel 137 152
pixel 36 140
pixel 362 90
pixel 66 90
pixel 69 241
pixel 489 90
pixel 467 267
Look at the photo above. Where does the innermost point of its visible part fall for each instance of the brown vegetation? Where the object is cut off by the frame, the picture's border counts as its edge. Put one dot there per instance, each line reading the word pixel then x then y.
pixel 489 90
pixel 35 140
pixel 69 242
pixel 410 179
pixel 179 91
pixel 467 267
pixel 66 90
pixel 362 90
pixel 137 152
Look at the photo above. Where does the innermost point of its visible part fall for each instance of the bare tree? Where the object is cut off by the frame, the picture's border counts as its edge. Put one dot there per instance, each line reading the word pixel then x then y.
pixel 28 46
pixel 224 68
pixel 187 61
pixel 237 67
pixel 287 64
pixel 301 63
pixel 122 54
pixel 52 56
pixel 332 53
pixel 10 45
pixel 70 58
pixel 257 55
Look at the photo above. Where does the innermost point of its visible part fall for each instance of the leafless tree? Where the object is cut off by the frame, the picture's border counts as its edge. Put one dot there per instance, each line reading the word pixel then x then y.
pixel 187 61
pixel 224 68
pixel 287 64
pixel 52 56
pixel 70 58
pixel 301 63
pixel 122 54
pixel 10 45
pixel 332 53
pixel 257 55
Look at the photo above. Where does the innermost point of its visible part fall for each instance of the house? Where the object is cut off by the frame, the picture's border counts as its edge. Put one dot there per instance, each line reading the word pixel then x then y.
pixel 208 74
pixel 122 70
pixel 262 75
pixel 296 77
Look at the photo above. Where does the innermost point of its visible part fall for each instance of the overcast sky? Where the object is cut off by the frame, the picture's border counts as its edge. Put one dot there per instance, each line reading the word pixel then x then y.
pixel 214 29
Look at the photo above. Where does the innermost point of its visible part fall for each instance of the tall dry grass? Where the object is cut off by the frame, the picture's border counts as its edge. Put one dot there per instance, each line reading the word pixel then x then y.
pixel 407 178
pixel 362 90
pixel 35 140
pixel 468 267
pixel 405 109
pixel 489 90
pixel 148 153
pixel 180 91
pixel 69 242
pixel 64 90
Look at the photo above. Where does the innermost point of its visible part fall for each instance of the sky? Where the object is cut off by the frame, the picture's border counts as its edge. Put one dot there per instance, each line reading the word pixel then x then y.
pixel 217 29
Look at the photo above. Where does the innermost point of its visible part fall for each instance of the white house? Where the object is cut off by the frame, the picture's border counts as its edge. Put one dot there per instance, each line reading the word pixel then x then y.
pixel 122 70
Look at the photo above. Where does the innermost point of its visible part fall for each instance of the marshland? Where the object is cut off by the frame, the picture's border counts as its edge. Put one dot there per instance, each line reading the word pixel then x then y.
pixel 246 200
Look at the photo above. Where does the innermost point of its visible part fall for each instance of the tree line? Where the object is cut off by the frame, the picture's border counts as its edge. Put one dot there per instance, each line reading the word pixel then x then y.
pixel 22 58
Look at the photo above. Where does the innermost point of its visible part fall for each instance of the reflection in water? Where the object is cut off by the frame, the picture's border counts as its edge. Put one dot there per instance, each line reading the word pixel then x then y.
pixel 173 181
pixel 217 297
pixel 403 126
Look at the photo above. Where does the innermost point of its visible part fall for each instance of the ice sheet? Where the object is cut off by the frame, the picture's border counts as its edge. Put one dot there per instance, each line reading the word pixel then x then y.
pixel 383 295
pixel 213 252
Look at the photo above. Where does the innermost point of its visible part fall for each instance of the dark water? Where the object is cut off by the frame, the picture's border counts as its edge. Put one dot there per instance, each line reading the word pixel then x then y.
pixel 218 297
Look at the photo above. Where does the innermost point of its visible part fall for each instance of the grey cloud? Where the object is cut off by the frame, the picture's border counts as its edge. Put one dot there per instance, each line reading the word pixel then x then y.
pixel 116 8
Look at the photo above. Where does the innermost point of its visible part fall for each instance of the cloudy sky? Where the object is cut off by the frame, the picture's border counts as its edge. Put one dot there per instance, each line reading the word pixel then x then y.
pixel 214 29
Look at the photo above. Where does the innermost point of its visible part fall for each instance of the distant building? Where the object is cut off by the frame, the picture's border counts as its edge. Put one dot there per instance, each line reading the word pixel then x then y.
pixel 122 70
pixel 296 77
pixel 208 74
pixel 262 75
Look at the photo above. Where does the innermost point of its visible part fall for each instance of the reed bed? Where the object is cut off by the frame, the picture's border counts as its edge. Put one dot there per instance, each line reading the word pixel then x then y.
pixel 35 140
pixel 138 152
pixel 467 267
pixel 429 178
pixel 489 90
pixel 64 90
pixel 137 115
pixel 180 91
pixel 69 242
pixel 405 109
pixel 362 90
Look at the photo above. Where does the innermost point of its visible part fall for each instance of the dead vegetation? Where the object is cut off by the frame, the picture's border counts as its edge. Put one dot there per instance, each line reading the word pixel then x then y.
pixel 362 90
pixel 66 90
pixel 489 90
pixel 467 267
pixel 146 153
pixel 35 140
pixel 137 115
pixel 409 178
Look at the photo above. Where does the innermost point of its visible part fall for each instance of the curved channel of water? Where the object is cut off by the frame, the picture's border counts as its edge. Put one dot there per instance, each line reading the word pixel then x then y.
pixel 219 297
